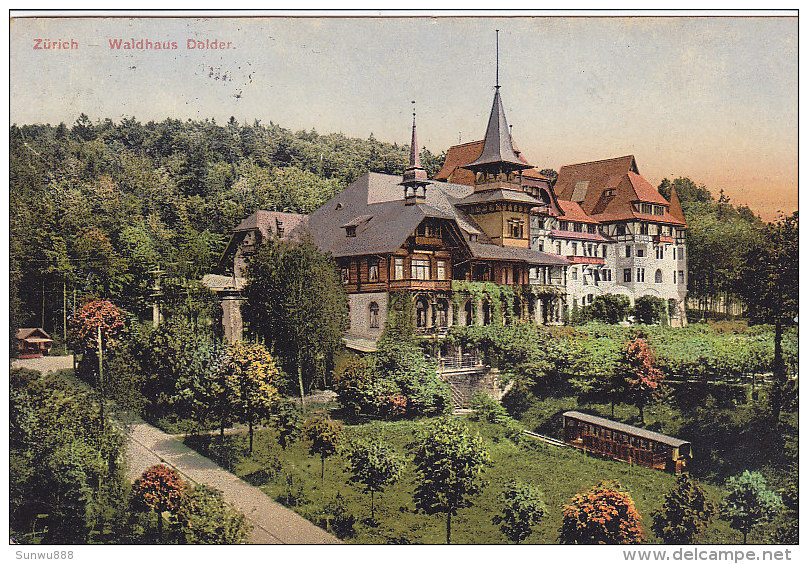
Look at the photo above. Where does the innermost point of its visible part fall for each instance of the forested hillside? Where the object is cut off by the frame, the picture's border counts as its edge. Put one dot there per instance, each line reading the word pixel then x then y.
pixel 98 207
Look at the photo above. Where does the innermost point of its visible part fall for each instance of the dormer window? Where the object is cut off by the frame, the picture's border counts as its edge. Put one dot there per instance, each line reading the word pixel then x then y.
pixel 350 231
pixel 576 227
pixel 563 225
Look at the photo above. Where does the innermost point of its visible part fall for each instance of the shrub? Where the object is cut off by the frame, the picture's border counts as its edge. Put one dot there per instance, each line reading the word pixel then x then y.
pixel 603 515
pixel 337 519
pixel 205 518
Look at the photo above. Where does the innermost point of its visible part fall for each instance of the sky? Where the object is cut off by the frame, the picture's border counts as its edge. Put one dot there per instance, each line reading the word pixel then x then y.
pixel 711 98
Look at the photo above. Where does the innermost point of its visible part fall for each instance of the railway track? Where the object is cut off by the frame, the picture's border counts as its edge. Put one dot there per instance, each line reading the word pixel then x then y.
pixel 544 438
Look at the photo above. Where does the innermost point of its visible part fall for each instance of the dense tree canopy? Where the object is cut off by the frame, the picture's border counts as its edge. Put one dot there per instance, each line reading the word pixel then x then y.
pixel 104 208
pixel 297 305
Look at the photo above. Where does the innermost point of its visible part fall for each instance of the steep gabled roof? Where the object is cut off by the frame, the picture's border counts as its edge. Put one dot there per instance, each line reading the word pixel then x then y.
pixel 599 175
pixel 606 190
pixel 391 221
pixel 33 334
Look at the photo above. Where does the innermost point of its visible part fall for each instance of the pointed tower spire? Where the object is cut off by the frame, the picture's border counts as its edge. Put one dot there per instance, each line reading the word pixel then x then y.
pixel 498 154
pixel 676 207
pixel 414 174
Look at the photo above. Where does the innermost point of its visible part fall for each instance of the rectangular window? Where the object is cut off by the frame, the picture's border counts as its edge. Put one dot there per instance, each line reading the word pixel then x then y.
pixel 660 252
pixel 674 277
pixel 626 275
pixel 575 249
pixel 563 226
pixel 399 269
pixel 442 270
pixel 577 227
pixel 628 251
pixel 640 252
pixel 420 269
pixel 621 229
pixel 640 275
pixel 646 208
pixel 346 275
pixel 643 229
pixel 516 228
pixel 674 253
pixel 590 229
pixel 373 272
pixel 681 277
pixel 541 247
pixel 558 248
pixel 605 252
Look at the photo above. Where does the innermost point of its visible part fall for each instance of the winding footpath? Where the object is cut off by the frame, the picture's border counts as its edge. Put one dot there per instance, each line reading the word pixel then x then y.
pixel 146 445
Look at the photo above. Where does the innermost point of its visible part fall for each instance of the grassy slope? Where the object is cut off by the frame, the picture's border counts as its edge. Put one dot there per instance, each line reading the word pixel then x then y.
pixel 561 473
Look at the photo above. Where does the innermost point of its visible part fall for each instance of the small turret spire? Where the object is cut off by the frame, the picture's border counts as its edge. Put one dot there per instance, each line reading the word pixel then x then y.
pixel 414 175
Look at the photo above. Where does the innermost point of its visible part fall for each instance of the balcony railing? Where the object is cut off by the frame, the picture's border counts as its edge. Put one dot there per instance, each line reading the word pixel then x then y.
pixel 585 260
pixel 420 284
pixel 439 330
pixel 424 241
pixel 667 239
pixel 459 361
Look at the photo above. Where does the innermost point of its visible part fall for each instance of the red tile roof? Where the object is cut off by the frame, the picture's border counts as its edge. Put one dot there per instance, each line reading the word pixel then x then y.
pixel 459 156
pixel 573 212
pixel 608 188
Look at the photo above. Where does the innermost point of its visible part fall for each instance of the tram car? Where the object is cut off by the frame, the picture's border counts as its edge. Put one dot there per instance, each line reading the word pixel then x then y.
pixel 625 442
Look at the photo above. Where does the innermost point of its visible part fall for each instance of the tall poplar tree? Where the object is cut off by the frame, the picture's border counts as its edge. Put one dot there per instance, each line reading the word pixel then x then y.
pixel 296 304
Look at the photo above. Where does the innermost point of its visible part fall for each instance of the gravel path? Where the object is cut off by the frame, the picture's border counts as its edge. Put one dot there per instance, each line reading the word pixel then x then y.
pixel 272 522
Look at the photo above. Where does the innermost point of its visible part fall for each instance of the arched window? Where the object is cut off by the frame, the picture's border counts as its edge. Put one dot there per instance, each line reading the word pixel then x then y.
pixel 468 309
pixel 374 315
pixel 658 276
pixel 420 313
pixel 486 313
pixel 442 313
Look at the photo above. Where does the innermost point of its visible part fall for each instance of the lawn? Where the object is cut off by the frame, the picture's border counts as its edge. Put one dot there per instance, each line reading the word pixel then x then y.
pixel 293 477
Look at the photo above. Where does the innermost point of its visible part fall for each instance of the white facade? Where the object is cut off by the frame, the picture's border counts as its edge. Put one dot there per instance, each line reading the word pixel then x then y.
pixel 640 260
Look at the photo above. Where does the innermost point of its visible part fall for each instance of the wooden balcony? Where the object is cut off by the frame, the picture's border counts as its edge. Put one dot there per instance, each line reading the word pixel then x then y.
pixel 585 260
pixel 421 241
pixel 444 285
pixel 665 239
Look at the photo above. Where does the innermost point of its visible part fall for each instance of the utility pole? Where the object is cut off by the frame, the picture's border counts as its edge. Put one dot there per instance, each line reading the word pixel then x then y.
pixel 64 313
pixel 156 294
pixel 101 374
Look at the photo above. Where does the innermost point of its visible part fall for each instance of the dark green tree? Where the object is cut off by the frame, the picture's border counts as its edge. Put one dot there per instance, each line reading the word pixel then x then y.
pixel 769 284
pixel 522 509
pixel 684 514
pixel 609 308
pixel 296 304
pixel 324 436
pixel 748 502
pixel 449 462
pixel 288 418
pixel 374 466
pixel 650 310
